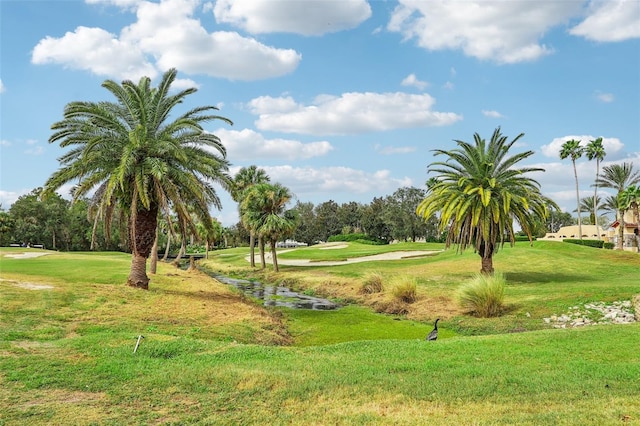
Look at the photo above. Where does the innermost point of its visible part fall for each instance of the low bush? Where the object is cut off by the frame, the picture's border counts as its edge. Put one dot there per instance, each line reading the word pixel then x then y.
pixel 373 283
pixel 357 238
pixel 519 238
pixel 404 289
pixel 588 243
pixel 484 295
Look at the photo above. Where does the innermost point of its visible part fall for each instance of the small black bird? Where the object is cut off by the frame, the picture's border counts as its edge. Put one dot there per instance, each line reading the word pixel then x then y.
pixel 434 333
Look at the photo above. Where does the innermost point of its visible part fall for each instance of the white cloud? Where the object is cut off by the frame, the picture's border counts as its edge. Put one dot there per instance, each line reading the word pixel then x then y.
pixel 7 198
pixel 184 83
pixel 165 35
pixel 334 180
pixel 119 3
pixel 448 85
pixel 552 150
pixel 249 145
pixel 501 31
pixel 412 80
pixel 605 97
pixel 389 150
pixel 350 113
pixel 95 50
pixel 492 114
pixel 309 17
pixel 610 21
pixel 4 142
pixel 2 88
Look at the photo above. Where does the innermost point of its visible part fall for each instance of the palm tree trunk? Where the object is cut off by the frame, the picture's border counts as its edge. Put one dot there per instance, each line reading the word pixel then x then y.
pixel 153 265
pixel 138 274
pixel 182 251
pixel 595 199
pixel 487 264
pixel 575 173
pixel 274 256
pixel 621 230
pixel 166 249
pixel 263 262
pixel 143 232
pixel 252 249
pixel 486 253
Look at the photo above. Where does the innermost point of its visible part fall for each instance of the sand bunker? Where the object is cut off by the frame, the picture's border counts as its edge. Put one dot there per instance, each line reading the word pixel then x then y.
pixel 394 255
pixel 28 255
pixel 337 246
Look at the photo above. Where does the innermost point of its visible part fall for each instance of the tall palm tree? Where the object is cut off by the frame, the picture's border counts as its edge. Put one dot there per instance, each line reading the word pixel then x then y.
pixel 572 148
pixel 243 180
pixel 140 161
pixel 479 194
pixel 264 208
pixel 618 177
pixel 595 150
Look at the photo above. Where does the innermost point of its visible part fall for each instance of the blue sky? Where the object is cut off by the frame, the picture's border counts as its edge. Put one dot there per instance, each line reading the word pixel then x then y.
pixel 337 100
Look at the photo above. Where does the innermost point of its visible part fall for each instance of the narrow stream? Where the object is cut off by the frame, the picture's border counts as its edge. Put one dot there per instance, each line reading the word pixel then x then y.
pixel 275 295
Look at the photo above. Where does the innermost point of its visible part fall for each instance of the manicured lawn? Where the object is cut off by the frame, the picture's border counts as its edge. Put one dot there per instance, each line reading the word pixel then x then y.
pixel 209 356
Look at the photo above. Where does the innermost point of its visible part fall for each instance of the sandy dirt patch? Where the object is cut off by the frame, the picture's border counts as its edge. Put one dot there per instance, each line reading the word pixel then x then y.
pixel 29 255
pixel 28 286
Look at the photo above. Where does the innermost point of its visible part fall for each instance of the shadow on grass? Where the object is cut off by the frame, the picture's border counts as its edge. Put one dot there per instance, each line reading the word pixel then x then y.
pixel 205 295
pixel 528 277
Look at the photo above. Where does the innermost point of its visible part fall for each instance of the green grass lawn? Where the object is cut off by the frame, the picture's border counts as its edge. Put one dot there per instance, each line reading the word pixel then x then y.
pixel 210 357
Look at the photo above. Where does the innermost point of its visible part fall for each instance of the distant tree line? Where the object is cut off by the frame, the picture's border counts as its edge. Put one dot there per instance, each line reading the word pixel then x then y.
pixel 62 225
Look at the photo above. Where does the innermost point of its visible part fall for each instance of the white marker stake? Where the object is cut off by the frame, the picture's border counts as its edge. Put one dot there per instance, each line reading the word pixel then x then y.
pixel 138 343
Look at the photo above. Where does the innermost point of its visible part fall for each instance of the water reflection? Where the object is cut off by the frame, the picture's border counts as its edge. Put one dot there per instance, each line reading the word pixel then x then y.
pixel 276 295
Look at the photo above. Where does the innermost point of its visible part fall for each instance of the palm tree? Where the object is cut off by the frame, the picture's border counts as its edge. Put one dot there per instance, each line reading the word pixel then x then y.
pixel 140 161
pixel 595 150
pixel 588 204
pixel 264 210
pixel 479 193
pixel 245 179
pixel 618 177
pixel 572 148
pixel 630 199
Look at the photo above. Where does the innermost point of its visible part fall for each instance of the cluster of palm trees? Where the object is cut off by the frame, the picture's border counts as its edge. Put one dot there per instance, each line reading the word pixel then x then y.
pixel 263 211
pixel 594 150
pixel 626 182
pixel 620 177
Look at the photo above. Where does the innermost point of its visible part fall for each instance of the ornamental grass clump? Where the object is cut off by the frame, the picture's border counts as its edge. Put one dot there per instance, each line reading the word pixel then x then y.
pixel 404 289
pixel 373 283
pixel 484 295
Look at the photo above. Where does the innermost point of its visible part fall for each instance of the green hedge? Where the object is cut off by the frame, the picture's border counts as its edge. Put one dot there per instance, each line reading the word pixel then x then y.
pixel 589 243
pixel 357 238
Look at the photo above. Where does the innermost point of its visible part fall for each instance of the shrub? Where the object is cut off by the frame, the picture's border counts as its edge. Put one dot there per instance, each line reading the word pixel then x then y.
pixel 519 238
pixel 588 243
pixel 373 283
pixel 359 238
pixel 483 295
pixel 404 289
pixel 609 246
